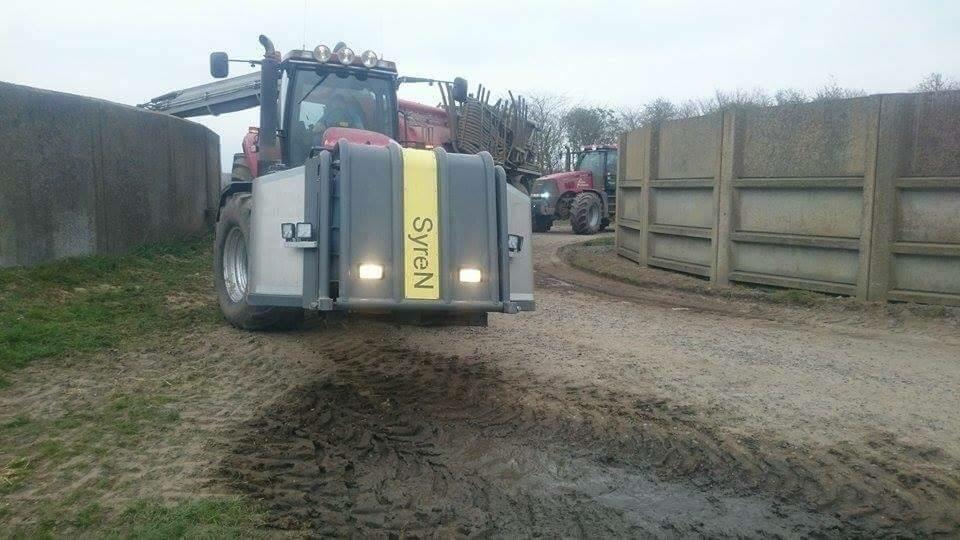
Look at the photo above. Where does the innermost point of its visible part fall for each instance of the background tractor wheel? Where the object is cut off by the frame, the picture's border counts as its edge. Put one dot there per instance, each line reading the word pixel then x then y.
pixel 586 213
pixel 542 223
pixel 231 272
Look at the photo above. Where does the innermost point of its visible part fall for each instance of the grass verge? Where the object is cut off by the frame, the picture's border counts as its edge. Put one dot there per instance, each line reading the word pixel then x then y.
pixel 88 303
pixel 149 519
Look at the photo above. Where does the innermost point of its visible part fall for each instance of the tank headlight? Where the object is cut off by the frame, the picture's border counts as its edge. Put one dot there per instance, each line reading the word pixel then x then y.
pixel 470 275
pixel 346 56
pixel 370 271
pixel 304 231
pixel 369 59
pixel 322 53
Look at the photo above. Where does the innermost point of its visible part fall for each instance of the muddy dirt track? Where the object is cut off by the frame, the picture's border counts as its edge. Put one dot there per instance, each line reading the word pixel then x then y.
pixel 611 411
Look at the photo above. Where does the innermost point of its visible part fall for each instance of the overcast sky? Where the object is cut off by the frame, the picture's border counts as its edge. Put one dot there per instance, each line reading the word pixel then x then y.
pixel 610 53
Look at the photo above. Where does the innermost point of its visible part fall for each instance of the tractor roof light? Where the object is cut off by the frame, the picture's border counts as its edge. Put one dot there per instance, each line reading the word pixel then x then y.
pixel 346 56
pixel 369 59
pixel 322 53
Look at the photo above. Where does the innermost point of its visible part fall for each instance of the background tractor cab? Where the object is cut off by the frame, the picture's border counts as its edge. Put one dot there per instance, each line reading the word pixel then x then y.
pixel 585 193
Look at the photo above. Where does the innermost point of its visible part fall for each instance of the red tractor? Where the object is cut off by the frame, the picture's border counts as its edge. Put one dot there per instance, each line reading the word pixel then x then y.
pixel 585 193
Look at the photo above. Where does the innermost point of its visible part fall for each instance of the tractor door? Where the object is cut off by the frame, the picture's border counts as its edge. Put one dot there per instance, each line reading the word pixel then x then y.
pixel 610 182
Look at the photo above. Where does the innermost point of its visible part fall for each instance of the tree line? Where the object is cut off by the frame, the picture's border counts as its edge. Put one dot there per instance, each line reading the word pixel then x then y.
pixel 564 124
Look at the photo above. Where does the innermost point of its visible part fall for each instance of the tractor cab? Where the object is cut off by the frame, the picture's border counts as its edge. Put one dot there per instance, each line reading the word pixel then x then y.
pixel 585 192
pixel 601 162
pixel 322 96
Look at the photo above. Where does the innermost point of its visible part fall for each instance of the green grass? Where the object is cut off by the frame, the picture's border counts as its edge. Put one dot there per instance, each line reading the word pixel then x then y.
pixel 119 422
pixel 89 303
pixel 202 518
pixel 146 519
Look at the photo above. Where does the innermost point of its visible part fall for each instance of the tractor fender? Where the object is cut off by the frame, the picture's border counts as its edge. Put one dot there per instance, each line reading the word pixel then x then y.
pixel 230 189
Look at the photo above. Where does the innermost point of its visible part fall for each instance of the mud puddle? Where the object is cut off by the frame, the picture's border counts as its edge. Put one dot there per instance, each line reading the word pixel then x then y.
pixel 396 442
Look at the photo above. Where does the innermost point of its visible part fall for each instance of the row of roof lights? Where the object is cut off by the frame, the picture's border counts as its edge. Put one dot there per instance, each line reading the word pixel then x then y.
pixel 345 56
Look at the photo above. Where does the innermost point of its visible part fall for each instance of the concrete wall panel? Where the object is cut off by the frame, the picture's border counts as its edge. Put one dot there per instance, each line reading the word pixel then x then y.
pixel 929 216
pixel 857 196
pixel 822 212
pixel 810 140
pixel 926 273
pixel 89 176
pixel 691 207
pixel 688 148
pixel 797 262
pixel 681 248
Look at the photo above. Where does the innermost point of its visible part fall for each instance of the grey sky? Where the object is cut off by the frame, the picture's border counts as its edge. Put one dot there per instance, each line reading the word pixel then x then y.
pixel 612 53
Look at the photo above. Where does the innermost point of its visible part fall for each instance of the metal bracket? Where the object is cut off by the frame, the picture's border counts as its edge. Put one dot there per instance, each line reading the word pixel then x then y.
pixel 311 244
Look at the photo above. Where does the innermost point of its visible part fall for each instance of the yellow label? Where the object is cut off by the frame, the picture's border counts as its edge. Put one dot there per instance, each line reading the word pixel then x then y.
pixel 421 239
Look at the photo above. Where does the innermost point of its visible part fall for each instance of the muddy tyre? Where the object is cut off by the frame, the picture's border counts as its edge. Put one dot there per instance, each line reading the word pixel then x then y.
pixel 542 223
pixel 240 171
pixel 231 272
pixel 586 213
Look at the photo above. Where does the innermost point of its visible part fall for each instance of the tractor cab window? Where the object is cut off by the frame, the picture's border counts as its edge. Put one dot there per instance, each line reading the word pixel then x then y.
pixel 324 99
pixel 594 163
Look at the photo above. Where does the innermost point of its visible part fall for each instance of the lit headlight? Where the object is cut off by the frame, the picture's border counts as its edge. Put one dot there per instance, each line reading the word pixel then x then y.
pixel 369 59
pixel 322 53
pixel 346 56
pixel 470 275
pixel 370 271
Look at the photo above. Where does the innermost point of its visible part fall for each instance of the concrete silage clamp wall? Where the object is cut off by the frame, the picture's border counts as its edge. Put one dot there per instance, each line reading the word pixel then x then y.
pixel 84 176
pixel 858 197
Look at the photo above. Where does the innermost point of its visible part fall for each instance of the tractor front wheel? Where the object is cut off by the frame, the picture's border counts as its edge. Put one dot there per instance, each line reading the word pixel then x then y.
pixel 542 223
pixel 232 271
pixel 586 213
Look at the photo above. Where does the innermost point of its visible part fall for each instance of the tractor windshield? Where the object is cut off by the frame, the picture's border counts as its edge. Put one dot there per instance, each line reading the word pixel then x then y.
pixel 323 99
pixel 592 162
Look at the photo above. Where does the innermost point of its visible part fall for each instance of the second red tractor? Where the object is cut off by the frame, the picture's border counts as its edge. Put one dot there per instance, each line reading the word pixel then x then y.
pixel 585 193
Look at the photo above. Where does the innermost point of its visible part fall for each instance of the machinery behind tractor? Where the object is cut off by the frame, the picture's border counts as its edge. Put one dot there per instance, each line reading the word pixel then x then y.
pixel 327 211
pixel 585 192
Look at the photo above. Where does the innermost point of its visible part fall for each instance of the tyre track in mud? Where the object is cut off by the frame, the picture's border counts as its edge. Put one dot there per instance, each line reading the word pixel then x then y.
pixel 401 442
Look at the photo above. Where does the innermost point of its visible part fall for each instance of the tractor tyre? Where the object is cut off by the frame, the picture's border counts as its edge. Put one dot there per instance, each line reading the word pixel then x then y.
pixel 231 272
pixel 586 213
pixel 542 223
pixel 240 171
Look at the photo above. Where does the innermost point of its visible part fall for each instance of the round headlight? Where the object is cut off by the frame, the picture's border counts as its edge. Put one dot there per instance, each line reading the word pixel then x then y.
pixel 369 59
pixel 322 53
pixel 346 56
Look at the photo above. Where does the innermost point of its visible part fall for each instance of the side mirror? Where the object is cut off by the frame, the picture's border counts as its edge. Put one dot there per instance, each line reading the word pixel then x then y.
pixel 459 92
pixel 219 65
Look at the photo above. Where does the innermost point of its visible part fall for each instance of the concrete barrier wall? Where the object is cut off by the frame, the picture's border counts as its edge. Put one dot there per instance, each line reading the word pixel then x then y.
pixel 858 197
pixel 84 176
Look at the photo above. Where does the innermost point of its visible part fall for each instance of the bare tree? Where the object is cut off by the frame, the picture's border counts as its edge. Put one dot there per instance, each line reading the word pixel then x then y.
pixel 548 111
pixel 790 96
pixel 736 98
pixel 653 112
pixel 936 82
pixel 590 125
pixel 832 90
pixel 630 118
